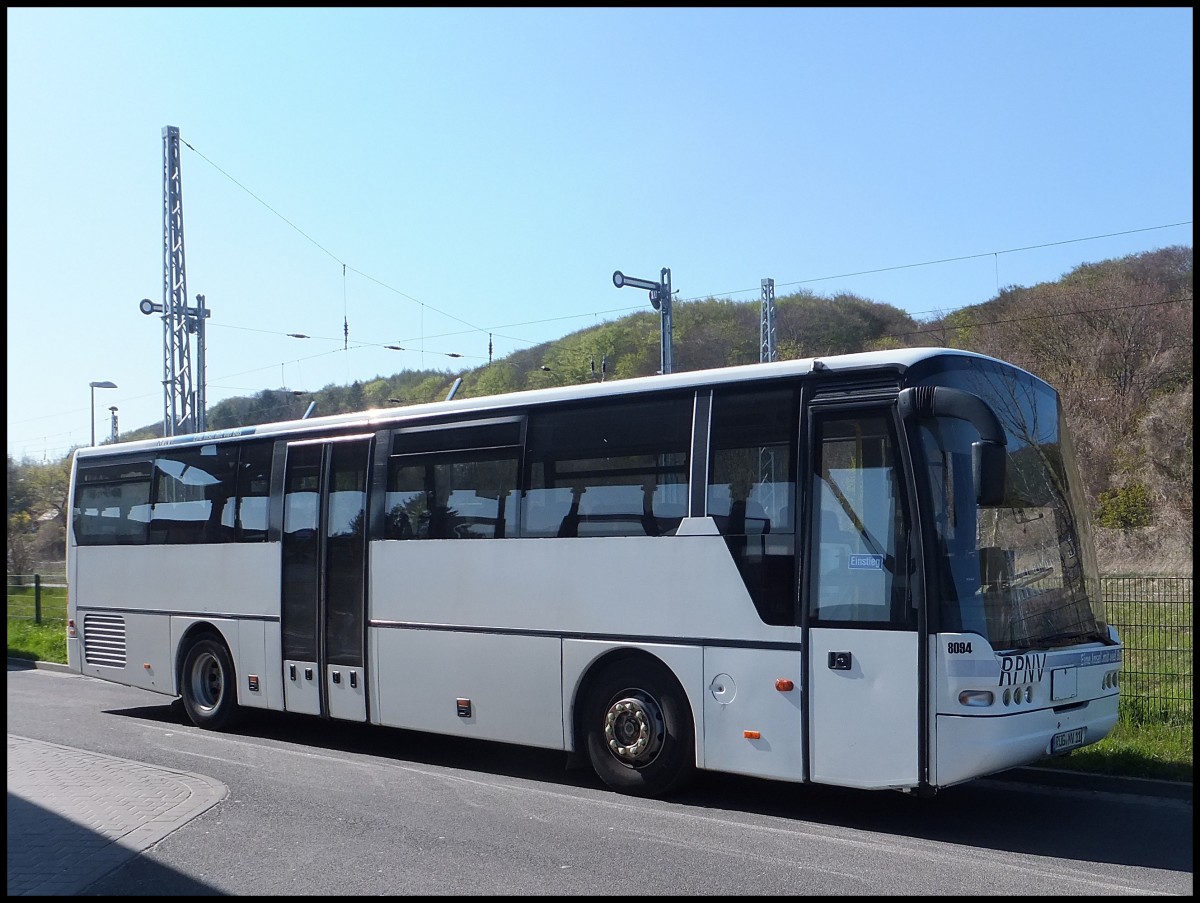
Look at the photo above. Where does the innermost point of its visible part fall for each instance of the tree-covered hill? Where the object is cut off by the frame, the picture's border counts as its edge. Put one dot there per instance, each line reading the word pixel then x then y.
pixel 1115 338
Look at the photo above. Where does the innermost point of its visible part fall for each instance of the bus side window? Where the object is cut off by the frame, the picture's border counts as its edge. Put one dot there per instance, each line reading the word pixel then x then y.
pixel 405 503
pixel 253 494
pixel 545 511
pixel 834 544
pixel 619 469
pixel 464 494
pixel 861 529
pixel 112 504
pixel 751 492
pixel 190 489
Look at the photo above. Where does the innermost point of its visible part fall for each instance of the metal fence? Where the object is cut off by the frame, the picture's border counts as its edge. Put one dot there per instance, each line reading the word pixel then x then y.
pixel 1152 614
pixel 1154 618
pixel 41 598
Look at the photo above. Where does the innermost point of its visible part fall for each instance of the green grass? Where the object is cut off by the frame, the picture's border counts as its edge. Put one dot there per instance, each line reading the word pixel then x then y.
pixel 1145 744
pixel 45 642
pixel 1157 750
pixel 1156 672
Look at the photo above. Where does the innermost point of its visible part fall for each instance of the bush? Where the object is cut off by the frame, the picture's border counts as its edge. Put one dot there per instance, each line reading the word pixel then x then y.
pixel 1125 507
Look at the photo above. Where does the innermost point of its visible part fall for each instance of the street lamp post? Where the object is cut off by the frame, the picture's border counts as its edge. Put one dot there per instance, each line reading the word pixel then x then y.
pixel 102 384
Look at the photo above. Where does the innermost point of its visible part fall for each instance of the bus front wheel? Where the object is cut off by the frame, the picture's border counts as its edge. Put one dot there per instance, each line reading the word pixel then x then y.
pixel 208 687
pixel 638 729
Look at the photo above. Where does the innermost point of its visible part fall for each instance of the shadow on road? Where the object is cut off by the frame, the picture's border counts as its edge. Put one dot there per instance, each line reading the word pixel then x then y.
pixel 51 856
pixel 1087 826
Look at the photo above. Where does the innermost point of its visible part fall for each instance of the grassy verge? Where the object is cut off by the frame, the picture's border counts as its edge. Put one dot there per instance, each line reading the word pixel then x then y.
pixel 1143 749
pixel 1162 751
pixel 45 642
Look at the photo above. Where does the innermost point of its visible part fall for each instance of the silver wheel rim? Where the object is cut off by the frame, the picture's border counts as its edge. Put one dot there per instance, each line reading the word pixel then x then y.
pixel 634 729
pixel 207 682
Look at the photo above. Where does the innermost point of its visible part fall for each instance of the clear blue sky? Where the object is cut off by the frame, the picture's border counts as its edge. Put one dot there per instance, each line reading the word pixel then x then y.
pixel 433 176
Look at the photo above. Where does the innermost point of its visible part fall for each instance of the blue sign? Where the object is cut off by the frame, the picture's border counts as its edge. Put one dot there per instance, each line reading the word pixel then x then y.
pixel 866 562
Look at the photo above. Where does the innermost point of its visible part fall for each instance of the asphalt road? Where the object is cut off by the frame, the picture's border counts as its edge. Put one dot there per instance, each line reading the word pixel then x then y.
pixel 318 808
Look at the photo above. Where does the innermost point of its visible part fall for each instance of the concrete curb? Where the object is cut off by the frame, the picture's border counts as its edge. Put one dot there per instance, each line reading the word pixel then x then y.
pixel 18 664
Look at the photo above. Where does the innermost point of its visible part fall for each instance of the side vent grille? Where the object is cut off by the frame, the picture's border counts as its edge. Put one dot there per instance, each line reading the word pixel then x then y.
pixel 104 640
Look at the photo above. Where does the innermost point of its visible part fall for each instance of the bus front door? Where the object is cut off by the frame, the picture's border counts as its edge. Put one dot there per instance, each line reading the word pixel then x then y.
pixel 863 704
pixel 323 612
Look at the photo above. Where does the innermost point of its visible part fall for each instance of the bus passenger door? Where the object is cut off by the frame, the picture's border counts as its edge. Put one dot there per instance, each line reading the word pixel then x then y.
pixel 324 577
pixel 862 697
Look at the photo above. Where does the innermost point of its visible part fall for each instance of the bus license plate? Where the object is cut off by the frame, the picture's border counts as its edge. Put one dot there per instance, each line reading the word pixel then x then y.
pixel 1067 740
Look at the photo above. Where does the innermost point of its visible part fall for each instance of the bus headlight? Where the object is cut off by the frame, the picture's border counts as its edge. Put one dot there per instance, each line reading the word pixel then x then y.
pixel 976 697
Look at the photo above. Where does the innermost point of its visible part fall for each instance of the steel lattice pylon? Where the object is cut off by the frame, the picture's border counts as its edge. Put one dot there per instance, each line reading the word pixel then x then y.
pixel 179 415
pixel 767 352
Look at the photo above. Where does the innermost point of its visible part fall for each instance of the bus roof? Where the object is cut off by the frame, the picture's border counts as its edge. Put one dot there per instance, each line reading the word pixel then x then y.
pixel 896 360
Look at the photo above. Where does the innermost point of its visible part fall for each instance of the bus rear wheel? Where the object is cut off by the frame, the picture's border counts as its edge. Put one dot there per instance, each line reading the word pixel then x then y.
pixel 638 729
pixel 208 685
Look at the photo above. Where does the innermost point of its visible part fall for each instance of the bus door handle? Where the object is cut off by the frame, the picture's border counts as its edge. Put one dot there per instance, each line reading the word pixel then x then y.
pixel 840 661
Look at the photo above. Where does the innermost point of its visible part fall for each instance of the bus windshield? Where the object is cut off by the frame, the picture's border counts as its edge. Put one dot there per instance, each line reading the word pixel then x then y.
pixel 1022 575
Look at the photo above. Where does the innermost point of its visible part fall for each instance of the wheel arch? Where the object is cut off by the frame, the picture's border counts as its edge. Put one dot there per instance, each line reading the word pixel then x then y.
pixel 188 634
pixel 583 660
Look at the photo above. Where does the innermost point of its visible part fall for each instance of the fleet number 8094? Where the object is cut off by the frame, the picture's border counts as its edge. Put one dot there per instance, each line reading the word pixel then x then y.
pixel 955 647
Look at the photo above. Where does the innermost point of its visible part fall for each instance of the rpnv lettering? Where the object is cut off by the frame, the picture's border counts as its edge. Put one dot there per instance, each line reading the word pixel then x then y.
pixel 1021 669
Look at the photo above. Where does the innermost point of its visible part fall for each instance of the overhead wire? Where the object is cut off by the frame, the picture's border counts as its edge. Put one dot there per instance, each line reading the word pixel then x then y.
pixel 493 330
pixel 397 345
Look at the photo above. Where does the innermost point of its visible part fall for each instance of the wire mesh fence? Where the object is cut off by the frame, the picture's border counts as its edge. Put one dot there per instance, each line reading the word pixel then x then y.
pixel 1153 616
pixel 40 598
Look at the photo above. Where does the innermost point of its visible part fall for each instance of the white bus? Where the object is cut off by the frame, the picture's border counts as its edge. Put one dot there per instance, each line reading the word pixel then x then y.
pixel 871 570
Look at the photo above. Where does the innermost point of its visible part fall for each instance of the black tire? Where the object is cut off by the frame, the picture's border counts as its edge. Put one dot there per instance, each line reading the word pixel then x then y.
pixel 638 729
pixel 208 685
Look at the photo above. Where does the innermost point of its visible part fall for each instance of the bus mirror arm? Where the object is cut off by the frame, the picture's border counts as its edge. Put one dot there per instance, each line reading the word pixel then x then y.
pixel 987 464
pixel 988 457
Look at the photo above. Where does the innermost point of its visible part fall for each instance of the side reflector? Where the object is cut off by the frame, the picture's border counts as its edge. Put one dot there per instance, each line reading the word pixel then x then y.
pixel 783 685
pixel 752 735
pixel 71 627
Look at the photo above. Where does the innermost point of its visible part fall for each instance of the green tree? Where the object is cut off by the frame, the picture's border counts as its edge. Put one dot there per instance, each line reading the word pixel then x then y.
pixel 20 491
pixel 20 542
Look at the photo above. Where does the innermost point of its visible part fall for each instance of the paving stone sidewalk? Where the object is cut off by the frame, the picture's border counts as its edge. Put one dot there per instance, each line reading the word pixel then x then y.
pixel 74 816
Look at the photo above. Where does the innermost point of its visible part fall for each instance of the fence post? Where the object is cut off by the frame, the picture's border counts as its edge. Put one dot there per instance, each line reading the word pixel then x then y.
pixel 37 598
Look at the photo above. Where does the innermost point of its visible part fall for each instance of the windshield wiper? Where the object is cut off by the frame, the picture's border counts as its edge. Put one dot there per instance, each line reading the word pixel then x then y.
pixel 1024 578
pixel 1042 643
